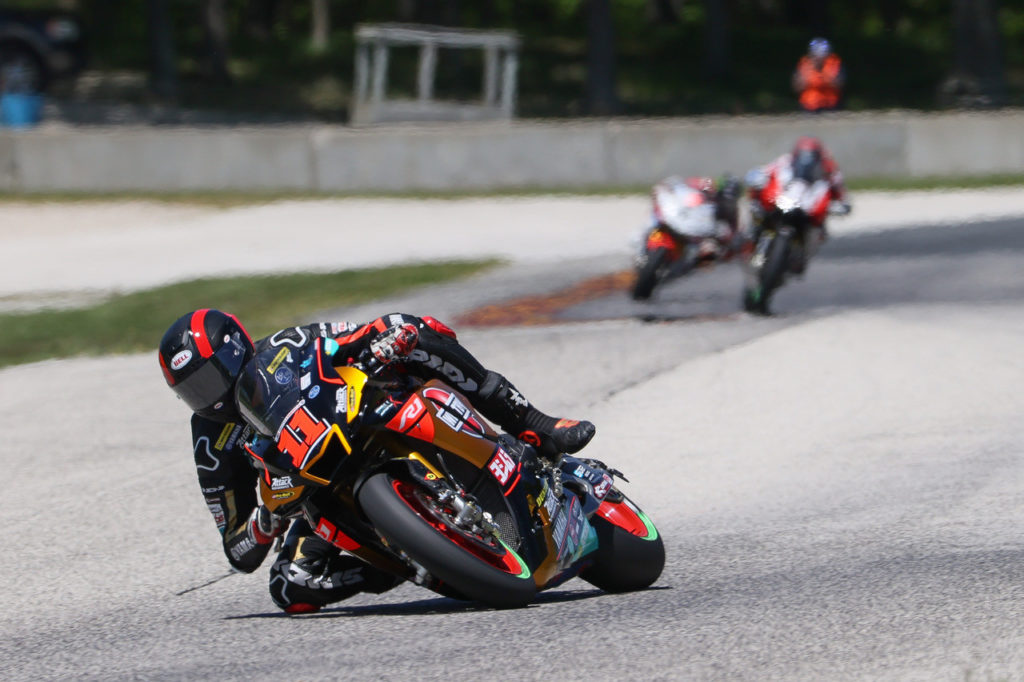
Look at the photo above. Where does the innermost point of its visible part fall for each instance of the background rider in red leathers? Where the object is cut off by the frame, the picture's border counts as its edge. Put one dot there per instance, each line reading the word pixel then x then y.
pixel 809 161
pixel 202 355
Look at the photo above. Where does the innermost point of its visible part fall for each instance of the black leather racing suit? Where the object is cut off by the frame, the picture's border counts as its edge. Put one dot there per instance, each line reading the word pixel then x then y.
pixel 309 572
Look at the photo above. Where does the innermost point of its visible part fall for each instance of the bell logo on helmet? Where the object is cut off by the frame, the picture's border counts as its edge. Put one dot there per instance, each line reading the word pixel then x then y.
pixel 181 359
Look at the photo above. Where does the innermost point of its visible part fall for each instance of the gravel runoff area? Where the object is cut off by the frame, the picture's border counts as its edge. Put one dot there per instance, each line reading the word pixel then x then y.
pixel 70 252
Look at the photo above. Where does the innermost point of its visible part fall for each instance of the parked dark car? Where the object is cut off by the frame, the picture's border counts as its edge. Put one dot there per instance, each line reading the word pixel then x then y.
pixel 38 47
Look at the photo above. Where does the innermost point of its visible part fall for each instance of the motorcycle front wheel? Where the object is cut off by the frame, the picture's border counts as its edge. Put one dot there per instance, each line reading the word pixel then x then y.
pixel 478 566
pixel 775 264
pixel 630 554
pixel 647 274
pixel 770 275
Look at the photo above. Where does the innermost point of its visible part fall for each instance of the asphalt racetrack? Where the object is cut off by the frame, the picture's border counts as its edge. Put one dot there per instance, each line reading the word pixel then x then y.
pixel 840 488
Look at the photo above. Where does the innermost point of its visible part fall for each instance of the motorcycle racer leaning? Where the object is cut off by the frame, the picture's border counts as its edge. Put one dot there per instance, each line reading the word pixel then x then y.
pixel 809 161
pixel 202 355
pixel 723 195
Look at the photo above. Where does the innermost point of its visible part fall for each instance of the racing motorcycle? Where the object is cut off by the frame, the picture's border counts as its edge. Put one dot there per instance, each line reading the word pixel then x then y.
pixel 407 476
pixel 788 232
pixel 681 236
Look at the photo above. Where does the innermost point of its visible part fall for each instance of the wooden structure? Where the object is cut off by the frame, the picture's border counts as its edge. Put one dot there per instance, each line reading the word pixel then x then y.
pixel 371 103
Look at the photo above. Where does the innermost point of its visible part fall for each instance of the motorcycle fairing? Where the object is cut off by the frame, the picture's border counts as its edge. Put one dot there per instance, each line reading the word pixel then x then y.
pixel 568 536
pixel 412 419
pixel 336 536
pixel 629 518
pixel 281 394
pixel 596 482
pixel 436 414
pixel 506 471
pixel 682 209
pixel 661 239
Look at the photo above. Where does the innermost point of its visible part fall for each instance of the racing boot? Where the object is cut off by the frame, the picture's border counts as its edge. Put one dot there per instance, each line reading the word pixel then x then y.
pixel 310 573
pixel 503 404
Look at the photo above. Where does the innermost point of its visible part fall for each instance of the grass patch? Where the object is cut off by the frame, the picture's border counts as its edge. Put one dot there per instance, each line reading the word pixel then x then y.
pixel 136 321
pixel 233 199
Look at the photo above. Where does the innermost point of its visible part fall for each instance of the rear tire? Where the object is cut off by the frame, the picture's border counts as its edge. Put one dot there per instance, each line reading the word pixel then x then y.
pixel 623 561
pixel 647 275
pixel 479 568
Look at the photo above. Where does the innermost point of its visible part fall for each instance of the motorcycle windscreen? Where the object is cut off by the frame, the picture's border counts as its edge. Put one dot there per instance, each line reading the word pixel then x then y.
pixel 692 221
pixel 268 390
pixel 798 194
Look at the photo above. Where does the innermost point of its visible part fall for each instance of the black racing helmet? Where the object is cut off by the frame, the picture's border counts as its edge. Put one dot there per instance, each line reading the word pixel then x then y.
pixel 201 356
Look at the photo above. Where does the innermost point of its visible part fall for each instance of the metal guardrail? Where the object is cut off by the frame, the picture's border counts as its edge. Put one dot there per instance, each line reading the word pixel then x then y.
pixel 371 103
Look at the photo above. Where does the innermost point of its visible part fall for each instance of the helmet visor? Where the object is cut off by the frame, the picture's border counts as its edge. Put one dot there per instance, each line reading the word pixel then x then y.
pixel 215 378
pixel 807 166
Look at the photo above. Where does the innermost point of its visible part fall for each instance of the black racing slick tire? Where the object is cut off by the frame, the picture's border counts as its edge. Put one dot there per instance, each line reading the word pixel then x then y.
pixel 481 568
pixel 630 554
pixel 647 274
pixel 775 264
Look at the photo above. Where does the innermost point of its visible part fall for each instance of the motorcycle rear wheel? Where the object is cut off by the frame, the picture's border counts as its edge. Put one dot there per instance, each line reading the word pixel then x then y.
pixel 647 275
pixel 479 567
pixel 627 558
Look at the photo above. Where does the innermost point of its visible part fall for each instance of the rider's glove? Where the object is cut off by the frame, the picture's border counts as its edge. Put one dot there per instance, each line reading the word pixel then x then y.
pixel 756 179
pixel 264 525
pixel 395 343
pixel 839 208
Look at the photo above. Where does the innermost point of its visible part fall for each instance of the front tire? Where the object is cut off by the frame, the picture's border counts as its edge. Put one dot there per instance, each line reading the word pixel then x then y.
pixel 770 276
pixel 775 265
pixel 630 554
pixel 479 567
pixel 647 274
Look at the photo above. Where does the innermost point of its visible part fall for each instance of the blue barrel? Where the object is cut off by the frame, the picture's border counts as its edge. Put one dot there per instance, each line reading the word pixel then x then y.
pixel 18 110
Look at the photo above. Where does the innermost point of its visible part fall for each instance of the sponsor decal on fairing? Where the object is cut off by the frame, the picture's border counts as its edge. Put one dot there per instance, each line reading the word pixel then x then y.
pixel 501 466
pixel 281 482
pixel 454 412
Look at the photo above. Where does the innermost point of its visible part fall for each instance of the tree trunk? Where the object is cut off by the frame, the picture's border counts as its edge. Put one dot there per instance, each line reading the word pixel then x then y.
pixel 259 18
pixel 663 11
pixel 321 25
pixel 716 37
pixel 979 51
pixel 163 76
pixel 602 98
pixel 215 25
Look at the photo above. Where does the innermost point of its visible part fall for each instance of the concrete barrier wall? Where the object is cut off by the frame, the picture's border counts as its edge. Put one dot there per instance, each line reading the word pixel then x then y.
pixel 482 156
